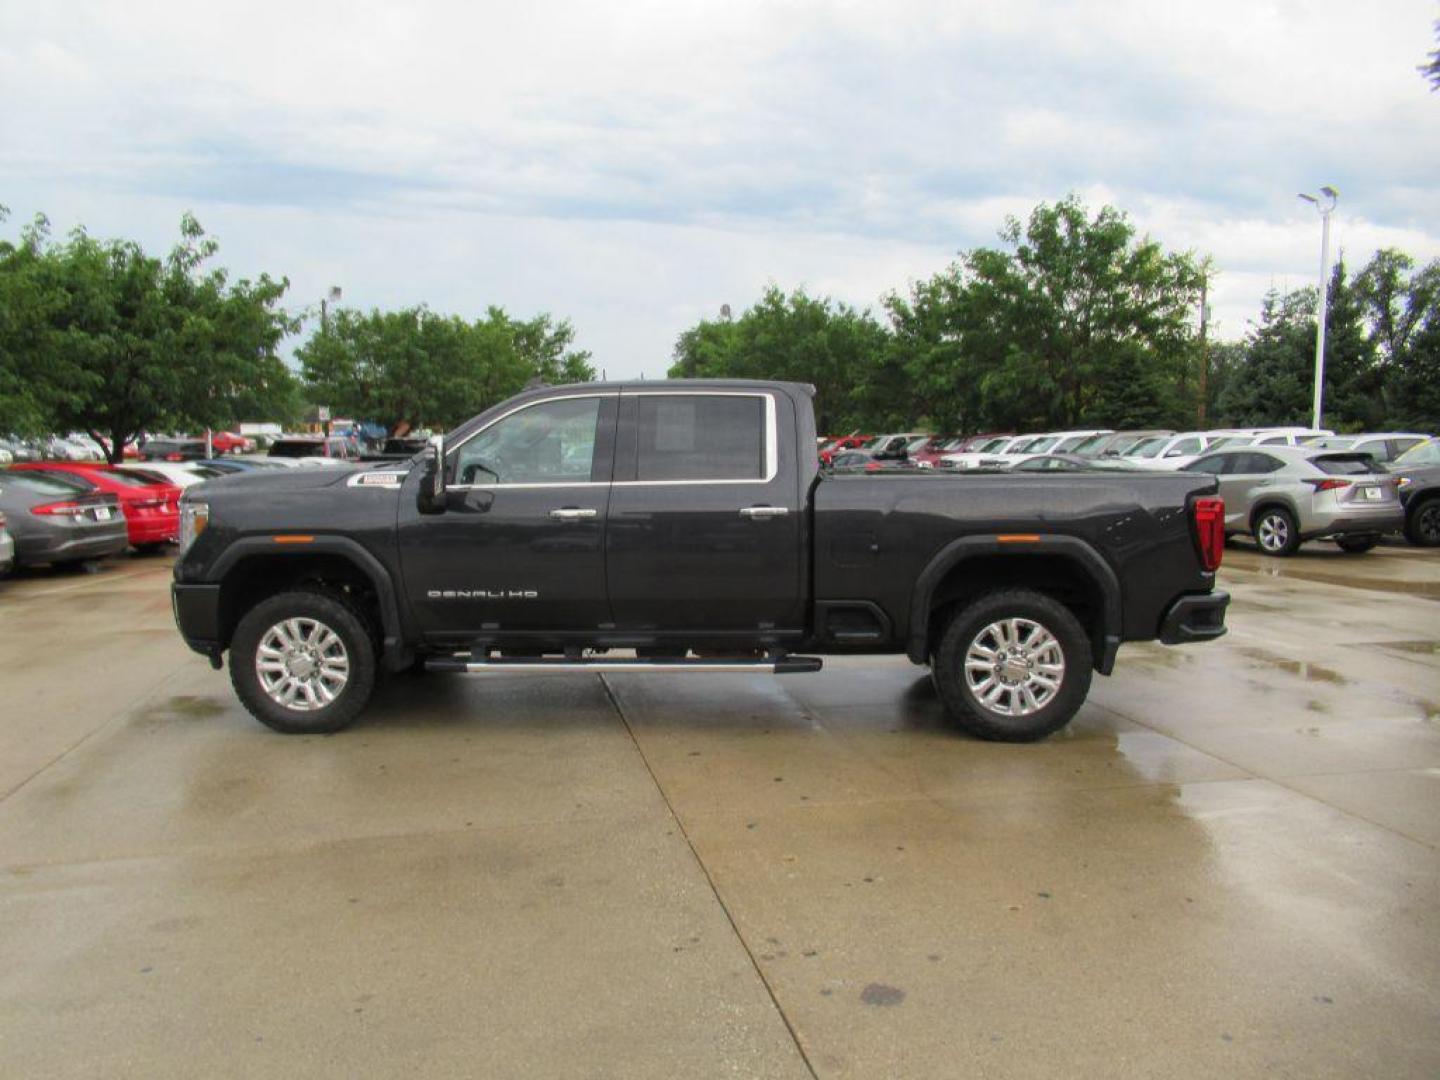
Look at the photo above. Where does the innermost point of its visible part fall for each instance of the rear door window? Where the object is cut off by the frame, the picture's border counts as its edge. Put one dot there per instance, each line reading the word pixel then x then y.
pixel 714 437
pixel 1258 464
pixel 1214 464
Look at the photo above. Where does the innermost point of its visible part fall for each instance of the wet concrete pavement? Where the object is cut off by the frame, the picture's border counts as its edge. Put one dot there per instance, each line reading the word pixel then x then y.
pixel 1227 866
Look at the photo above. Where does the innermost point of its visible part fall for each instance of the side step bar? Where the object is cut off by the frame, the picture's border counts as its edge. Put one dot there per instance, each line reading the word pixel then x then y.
pixel 787 665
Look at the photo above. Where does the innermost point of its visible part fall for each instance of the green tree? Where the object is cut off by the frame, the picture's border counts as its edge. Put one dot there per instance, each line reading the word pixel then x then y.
pixel 413 367
pixel 1402 307
pixel 1353 400
pixel 112 341
pixel 1076 321
pixel 799 338
pixel 1272 383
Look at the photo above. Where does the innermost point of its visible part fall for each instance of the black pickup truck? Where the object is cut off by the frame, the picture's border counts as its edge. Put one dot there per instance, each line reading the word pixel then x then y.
pixel 691 523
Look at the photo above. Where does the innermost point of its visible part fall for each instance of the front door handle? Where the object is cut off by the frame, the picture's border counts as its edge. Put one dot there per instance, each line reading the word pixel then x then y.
pixel 572 513
pixel 764 511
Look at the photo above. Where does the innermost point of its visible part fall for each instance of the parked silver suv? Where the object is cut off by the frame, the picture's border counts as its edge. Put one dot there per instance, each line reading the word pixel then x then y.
pixel 1285 495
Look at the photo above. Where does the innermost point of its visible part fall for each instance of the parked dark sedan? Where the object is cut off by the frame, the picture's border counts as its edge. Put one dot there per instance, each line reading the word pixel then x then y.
pixel 173 450
pixel 1419 470
pixel 55 521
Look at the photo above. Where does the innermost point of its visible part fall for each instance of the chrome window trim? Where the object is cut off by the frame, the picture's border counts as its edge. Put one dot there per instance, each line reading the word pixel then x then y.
pixel 772 448
pixel 511 412
pixel 772 444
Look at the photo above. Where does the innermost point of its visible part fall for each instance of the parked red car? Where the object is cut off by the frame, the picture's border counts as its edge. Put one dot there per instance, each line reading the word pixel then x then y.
pixel 833 445
pixel 227 442
pixel 152 510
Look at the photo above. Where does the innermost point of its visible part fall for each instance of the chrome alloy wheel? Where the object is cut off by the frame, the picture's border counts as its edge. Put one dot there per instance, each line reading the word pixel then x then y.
pixel 1273 532
pixel 302 664
pixel 1014 667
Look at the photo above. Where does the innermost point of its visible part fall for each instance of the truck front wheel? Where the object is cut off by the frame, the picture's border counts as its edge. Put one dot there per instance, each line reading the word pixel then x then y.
pixel 1013 666
pixel 303 662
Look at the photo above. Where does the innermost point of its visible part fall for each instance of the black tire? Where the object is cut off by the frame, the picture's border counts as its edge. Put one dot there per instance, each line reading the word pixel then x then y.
pixel 330 610
pixel 1275 532
pixel 972 626
pixel 1422 523
pixel 1356 545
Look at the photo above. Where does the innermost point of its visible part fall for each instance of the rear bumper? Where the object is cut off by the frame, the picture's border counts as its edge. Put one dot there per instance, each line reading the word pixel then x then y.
pixel 1199 617
pixel 1370 521
pixel 197 615
pixel 95 542
pixel 152 528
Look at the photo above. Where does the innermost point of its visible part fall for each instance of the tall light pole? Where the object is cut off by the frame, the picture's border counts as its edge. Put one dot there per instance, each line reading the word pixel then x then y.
pixel 1325 209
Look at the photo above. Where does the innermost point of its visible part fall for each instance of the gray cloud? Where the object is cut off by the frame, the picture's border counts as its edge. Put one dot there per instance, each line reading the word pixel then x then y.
pixel 633 167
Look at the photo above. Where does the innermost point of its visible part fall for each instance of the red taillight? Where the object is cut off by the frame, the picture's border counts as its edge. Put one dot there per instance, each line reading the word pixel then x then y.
pixel 1328 484
pixel 174 457
pixel 1210 532
pixel 58 509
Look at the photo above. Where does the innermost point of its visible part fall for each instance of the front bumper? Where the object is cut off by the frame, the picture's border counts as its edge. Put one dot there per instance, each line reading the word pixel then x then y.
pixel 197 615
pixel 1198 617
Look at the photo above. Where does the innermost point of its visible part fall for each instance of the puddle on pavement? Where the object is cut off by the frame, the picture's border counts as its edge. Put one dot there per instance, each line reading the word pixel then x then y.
pixel 1425 590
pixel 1303 668
pixel 182 707
pixel 1422 648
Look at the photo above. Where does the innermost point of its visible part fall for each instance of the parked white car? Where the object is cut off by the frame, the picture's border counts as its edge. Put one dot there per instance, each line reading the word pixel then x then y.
pixel 991 454
pixel 181 474
pixel 1167 451
pixel 1383 446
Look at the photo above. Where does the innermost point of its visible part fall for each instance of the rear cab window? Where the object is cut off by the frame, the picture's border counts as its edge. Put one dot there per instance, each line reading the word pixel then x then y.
pixel 713 437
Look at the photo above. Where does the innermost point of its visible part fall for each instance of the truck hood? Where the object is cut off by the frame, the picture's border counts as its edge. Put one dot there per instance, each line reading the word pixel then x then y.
pixel 279 481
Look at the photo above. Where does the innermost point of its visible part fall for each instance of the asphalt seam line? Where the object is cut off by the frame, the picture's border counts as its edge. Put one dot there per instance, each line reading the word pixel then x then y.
pixel 710 881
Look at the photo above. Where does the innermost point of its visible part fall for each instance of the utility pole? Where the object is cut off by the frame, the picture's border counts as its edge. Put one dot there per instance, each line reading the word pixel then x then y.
pixel 1325 212
pixel 1204 345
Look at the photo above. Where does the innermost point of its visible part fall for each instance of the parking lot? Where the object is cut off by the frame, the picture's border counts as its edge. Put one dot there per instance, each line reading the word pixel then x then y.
pixel 1227 866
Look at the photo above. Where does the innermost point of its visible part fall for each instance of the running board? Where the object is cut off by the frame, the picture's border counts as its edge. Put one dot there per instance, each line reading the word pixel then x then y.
pixel 786 665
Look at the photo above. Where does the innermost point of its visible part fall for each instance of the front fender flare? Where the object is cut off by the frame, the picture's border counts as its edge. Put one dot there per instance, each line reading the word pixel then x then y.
pixel 342 546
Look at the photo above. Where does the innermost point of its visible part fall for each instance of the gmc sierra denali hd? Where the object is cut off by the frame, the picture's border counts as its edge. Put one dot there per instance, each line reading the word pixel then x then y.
pixel 690 522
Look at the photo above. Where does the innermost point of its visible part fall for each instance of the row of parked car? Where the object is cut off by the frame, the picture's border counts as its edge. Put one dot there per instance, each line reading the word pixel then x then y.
pixel 55 512
pixel 1282 486
pixel 78 447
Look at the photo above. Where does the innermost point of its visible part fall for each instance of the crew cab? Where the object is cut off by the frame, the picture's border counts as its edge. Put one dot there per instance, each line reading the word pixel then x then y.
pixel 678 527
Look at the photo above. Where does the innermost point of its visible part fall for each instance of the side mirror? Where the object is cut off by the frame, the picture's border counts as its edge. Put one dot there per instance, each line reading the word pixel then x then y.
pixel 432 481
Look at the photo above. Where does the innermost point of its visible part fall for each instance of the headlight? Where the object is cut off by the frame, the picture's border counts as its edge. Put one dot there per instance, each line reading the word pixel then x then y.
pixel 194 516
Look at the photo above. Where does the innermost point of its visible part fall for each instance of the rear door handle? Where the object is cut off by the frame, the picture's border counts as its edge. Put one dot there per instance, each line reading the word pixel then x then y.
pixel 572 513
pixel 764 511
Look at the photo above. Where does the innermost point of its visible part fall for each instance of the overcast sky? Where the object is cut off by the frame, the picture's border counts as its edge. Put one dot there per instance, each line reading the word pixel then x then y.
pixel 633 166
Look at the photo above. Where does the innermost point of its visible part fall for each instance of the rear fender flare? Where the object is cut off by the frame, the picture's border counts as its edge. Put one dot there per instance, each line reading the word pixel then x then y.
pixel 1075 551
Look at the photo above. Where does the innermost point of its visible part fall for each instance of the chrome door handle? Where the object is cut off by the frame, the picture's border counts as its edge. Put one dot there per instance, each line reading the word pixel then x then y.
pixel 764 511
pixel 571 513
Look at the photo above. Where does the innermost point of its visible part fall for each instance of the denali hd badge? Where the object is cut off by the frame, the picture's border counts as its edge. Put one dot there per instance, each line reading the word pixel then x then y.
pixel 481 594
pixel 388 480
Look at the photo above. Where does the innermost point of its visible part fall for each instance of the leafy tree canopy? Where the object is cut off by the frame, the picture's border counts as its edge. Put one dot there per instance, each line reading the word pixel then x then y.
pixel 98 336
pixel 414 368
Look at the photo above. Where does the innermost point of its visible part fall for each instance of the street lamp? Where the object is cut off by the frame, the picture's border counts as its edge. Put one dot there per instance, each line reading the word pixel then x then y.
pixel 1325 209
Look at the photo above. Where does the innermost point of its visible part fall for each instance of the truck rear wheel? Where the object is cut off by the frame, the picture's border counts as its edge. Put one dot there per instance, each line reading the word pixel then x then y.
pixel 303 662
pixel 1013 666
